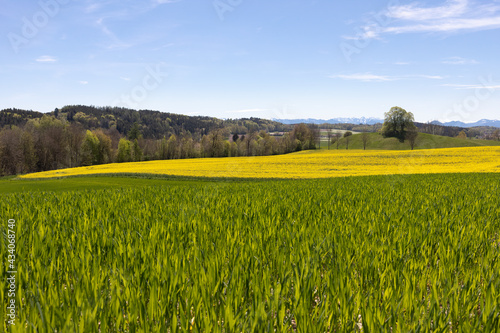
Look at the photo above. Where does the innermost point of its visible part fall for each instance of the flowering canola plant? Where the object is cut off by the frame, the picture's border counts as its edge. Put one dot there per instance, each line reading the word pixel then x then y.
pixel 308 164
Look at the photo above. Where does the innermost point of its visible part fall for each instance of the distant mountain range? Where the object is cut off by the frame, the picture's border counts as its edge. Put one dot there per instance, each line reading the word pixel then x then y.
pixel 372 121
pixel 362 120
pixel 482 122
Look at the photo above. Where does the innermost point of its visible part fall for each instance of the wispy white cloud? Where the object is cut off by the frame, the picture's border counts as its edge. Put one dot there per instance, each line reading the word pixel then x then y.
pixel 92 7
pixel 156 3
pixel 116 42
pixel 451 25
pixel 472 86
pixel 451 16
pixel 107 16
pixel 459 61
pixel 369 77
pixel 413 12
pixel 83 82
pixel 46 58
pixel 368 32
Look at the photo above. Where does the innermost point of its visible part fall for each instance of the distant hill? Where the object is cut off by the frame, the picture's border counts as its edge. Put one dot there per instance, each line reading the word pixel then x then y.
pixel 424 141
pixel 356 121
pixel 480 123
pixel 152 124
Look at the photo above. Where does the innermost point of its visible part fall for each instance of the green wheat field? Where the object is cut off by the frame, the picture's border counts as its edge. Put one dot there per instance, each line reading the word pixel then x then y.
pixel 414 253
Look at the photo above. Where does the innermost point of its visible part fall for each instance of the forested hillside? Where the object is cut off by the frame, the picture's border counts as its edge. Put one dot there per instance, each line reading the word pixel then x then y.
pixel 152 124
pixel 86 135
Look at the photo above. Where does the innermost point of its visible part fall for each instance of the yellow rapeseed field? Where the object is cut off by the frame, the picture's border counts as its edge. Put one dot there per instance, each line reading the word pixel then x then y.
pixel 309 164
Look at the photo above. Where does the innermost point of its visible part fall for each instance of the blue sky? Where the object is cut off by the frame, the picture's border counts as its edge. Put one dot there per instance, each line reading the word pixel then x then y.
pixel 242 58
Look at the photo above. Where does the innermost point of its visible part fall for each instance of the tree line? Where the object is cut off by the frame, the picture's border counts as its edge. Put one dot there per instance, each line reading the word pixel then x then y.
pixel 50 142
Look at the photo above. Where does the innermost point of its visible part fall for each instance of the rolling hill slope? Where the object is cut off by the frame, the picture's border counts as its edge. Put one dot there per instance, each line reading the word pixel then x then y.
pixel 424 141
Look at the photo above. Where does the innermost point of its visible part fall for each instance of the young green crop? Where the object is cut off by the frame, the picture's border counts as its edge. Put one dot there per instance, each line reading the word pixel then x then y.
pixel 406 253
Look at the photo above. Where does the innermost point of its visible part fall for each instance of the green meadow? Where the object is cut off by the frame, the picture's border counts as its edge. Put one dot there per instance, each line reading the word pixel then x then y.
pixel 424 141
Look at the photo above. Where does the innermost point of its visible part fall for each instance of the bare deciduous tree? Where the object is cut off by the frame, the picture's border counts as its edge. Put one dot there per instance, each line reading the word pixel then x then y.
pixel 346 137
pixel 364 138
pixel 412 135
